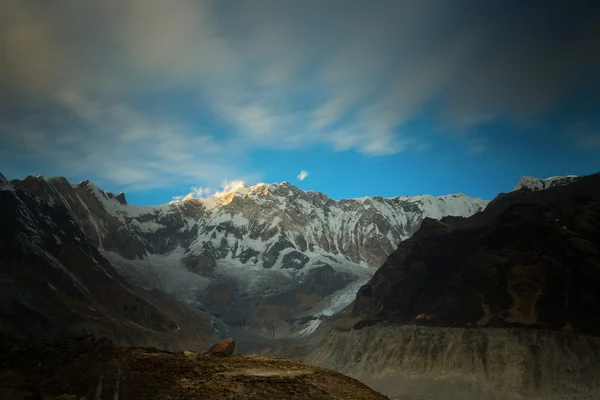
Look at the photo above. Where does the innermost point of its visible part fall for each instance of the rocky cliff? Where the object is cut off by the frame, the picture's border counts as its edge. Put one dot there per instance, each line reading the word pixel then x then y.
pixel 423 362
pixel 509 297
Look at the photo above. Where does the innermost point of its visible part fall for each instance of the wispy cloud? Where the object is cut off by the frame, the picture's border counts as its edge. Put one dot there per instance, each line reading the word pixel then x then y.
pixel 591 141
pixel 302 175
pixel 583 134
pixel 477 147
pixel 227 187
pixel 200 192
pixel 113 78
pixel 128 149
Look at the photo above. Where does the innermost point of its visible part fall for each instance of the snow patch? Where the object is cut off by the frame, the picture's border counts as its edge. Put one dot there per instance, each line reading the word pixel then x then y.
pixel 147 227
pixel 531 183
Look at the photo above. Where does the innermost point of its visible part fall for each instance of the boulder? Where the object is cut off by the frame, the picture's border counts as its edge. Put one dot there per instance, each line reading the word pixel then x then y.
pixel 222 349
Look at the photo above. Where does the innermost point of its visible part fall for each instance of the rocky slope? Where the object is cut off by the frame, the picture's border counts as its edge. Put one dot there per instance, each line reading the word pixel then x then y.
pixel 86 369
pixel 269 259
pixel 509 298
pixel 447 363
pixel 54 282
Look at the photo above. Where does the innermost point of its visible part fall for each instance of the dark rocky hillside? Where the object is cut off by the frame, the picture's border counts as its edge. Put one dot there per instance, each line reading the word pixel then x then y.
pixel 504 303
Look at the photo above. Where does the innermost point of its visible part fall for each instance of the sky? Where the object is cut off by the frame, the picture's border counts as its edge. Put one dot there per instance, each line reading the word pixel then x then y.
pixel 350 98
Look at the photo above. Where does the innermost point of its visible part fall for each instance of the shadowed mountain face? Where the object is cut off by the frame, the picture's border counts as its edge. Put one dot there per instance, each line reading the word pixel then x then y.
pixel 270 259
pixel 54 282
pixel 530 259
pixel 509 297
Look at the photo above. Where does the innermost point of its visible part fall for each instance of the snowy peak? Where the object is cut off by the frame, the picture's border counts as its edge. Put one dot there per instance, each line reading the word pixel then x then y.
pixel 534 184
pixel 5 184
pixel 244 190
pixel 265 225
pixel 261 189
pixel 118 197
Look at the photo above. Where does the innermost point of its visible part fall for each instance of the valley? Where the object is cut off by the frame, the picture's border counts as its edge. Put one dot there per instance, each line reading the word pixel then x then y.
pixel 290 200
pixel 268 261
pixel 419 297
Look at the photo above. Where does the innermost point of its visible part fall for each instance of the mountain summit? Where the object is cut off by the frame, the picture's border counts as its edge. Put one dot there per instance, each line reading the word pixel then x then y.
pixel 531 183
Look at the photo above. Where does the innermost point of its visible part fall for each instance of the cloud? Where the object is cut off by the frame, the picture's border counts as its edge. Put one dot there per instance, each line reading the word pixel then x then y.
pixel 591 141
pixel 477 148
pixel 200 192
pixel 424 146
pixel 583 134
pixel 302 175
pixel 227 187
pixel 161 90
pixel 130 150
pixel 329 112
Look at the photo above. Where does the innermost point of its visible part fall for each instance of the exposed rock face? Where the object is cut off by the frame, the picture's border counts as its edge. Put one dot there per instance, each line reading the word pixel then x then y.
pixel 467 364
pixel 222 349
pixel 528 265
pixel 511 294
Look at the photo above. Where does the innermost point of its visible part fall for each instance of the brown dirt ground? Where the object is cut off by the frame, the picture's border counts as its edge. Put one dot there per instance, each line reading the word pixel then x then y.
pixel 71 370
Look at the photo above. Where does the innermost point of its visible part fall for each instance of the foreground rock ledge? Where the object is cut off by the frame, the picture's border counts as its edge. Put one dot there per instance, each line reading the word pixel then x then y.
pixel 72 369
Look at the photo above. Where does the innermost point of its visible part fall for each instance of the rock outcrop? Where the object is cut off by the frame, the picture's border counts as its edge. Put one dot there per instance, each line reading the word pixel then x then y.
pixel 224 348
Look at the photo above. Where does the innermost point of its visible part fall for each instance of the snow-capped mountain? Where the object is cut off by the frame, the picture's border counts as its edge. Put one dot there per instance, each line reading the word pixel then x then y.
pixel 270 256
pixel 531 183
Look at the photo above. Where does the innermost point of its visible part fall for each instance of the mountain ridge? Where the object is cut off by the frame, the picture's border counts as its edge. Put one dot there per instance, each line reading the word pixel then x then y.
pixel 243 188
pixel 531 183
pixel 276 192
pixel 271 258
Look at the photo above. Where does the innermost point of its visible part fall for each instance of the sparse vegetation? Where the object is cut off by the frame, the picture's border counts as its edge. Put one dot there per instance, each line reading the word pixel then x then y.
pixel 71 369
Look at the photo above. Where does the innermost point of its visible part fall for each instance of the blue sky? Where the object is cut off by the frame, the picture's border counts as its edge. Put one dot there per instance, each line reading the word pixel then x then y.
pixel 161 99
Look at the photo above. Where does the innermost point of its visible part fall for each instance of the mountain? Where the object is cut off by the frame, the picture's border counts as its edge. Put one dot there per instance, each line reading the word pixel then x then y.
pixel 505 302
pixel 54 282
pixel 531 183
pixel 270 260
